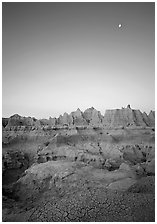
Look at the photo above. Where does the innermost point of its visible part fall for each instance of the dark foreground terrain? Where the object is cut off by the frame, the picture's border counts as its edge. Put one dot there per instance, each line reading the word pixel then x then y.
pixel 100 170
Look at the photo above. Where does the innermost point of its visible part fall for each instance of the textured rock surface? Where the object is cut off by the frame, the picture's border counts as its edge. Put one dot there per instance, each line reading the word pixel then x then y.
pixel 122 185
pixel 14 159
pixel 41 177
pixel 66 119
pixel 4 122
pixel 82 167
pixel 17 120
pixel 150 167
pixel 78 118
pixel 133 154
pixel 52 121
pixel 146 119
pixel 144 185
pixel 93 117
pixel 84 200
pixel 55 175
pixel 125 117
pixel 13 165
pixel 151 117
pixel 118 117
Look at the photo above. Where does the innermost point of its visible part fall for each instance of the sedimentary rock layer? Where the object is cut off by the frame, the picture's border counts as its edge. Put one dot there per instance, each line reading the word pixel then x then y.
pixel 125 117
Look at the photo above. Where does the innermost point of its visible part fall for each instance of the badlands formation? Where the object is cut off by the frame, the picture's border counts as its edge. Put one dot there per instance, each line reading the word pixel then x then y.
pixel 82 166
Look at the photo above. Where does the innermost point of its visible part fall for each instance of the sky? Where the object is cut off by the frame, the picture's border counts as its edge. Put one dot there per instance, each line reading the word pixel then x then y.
pixel 57 57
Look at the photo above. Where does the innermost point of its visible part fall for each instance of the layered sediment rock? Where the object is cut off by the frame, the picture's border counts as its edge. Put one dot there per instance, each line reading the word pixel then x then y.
pixel 125 117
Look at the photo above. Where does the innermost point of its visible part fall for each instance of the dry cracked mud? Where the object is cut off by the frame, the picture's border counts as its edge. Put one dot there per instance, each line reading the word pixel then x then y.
pixel 80 196
pixel 89 204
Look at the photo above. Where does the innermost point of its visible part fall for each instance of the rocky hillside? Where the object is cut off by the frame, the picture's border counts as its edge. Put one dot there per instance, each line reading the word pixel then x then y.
pixel 82 166
pixel 125 117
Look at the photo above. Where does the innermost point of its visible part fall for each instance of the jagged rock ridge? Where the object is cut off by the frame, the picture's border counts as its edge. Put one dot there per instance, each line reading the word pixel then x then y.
pixel 124 117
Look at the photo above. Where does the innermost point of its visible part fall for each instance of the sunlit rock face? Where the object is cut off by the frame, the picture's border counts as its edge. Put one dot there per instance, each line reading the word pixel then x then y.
pixel 93 117
pixel 127 117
